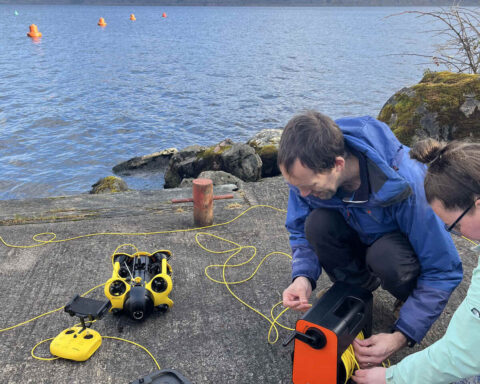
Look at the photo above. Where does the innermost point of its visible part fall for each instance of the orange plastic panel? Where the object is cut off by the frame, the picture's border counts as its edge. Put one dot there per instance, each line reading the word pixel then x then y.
pixel 315 366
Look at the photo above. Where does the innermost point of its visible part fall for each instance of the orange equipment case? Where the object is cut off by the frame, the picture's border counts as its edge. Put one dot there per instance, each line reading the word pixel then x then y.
pixel 324 333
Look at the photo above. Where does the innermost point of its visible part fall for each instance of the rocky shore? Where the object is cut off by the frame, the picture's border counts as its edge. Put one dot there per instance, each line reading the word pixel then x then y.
pixel 443 105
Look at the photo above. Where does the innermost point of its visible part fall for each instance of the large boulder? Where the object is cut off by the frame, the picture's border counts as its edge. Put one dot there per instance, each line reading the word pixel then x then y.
pixel 154 161
pixel 186 163
pixel 241 160
pixel 265 144
pixel 443 106
pixel 109 184
pixel 237 159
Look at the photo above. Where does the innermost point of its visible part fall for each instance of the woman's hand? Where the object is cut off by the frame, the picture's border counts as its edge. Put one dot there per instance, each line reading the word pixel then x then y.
pixel 377 348
pixel 375 375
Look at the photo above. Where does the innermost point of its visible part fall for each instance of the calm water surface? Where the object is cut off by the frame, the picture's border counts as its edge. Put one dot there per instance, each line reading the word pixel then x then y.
pixel 85 98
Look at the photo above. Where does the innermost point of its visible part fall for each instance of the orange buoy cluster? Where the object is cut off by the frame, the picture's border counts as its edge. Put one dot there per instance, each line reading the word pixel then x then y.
pixel 34 32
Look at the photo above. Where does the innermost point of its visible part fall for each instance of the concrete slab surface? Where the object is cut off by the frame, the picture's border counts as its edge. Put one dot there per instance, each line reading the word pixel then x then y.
pixel 208 335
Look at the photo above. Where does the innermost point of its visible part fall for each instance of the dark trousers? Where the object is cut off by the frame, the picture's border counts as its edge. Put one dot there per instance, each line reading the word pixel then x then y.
pixel 390 260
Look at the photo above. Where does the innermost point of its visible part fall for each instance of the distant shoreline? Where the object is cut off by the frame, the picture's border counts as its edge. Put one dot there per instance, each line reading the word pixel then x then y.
pixel 251 3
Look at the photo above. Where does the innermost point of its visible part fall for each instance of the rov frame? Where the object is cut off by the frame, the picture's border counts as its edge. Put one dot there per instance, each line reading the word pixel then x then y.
pixel 140 283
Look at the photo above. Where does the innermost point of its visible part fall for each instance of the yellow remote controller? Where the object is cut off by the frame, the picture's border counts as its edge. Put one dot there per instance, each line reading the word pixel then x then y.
pixel 76 343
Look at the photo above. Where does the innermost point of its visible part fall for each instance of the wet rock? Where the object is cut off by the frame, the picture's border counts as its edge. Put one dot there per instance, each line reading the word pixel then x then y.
pixel 109 184
pixel 154 161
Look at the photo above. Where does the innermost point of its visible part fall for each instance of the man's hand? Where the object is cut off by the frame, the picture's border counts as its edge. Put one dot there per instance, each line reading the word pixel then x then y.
pixel 375 375
pixel 297 294
pixel 375 349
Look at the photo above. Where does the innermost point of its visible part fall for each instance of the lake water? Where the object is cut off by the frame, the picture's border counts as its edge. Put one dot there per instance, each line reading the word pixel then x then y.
pixel 85 98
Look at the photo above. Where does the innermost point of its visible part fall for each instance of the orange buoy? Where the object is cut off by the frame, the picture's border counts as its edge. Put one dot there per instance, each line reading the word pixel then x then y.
pixel 102 22
pixel 202 202
pixel 132 17
pixel 164 14
pixel 34 32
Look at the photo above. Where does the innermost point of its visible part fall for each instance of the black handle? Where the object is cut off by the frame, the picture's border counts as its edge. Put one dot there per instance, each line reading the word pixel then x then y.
pixel 313 337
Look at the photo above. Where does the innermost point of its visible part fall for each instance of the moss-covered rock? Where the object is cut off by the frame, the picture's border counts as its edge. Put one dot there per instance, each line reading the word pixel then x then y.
pixel 109 184
pixel 444 106
pixel 211 157
pixel 265 144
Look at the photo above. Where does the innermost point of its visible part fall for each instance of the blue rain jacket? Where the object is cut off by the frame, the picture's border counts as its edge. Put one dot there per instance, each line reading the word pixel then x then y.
pixel 396 203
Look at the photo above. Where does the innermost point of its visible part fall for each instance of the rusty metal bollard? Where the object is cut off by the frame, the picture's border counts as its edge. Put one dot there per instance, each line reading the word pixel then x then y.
pixel 203 202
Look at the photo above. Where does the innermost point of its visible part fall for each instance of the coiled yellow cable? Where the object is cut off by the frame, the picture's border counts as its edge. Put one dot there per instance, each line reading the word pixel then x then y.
pixel 349 360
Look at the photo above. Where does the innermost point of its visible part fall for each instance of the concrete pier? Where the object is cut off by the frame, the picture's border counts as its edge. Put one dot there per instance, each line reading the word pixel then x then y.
pixel 208 335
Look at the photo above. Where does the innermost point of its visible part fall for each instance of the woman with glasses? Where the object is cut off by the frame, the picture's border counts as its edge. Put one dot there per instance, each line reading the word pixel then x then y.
pixel 452 188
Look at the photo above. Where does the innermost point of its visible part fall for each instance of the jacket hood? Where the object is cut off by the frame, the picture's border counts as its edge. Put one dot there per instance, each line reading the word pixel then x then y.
pixel 384 154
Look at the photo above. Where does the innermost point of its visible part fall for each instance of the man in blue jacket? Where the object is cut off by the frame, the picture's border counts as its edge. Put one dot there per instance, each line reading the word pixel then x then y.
pixel 357 209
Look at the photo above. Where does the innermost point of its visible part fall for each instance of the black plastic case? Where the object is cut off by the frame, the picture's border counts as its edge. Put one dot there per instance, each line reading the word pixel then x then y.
pixel 165 376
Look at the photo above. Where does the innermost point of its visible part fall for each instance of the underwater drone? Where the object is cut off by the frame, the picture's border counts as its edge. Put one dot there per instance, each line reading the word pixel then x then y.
pixel 140 284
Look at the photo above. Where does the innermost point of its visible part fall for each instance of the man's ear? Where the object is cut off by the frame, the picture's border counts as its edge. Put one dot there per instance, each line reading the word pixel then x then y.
pixel 477 202
pixel 339 163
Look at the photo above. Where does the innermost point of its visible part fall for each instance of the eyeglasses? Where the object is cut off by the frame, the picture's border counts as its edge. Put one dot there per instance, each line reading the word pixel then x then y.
pixel 450 228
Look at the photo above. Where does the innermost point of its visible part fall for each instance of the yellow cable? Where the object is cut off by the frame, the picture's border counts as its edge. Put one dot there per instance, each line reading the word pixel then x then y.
pixel 236 250
pixel 138 345
pixel 54 236
pixel 42 358
pixel 471 241
pixel 121 246
pixel 349 360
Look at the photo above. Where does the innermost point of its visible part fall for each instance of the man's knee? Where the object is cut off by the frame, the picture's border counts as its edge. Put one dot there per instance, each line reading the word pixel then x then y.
pixel 393 260
pixel 322 224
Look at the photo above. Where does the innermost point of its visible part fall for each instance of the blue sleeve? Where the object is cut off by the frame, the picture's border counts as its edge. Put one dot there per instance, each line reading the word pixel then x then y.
pixel 441 268
pixel 304 260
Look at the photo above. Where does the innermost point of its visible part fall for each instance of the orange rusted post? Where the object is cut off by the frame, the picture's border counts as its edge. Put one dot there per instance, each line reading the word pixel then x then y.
pixel 203 202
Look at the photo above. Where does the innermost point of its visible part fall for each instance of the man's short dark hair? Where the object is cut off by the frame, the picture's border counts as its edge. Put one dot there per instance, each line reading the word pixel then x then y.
pixel 312 138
